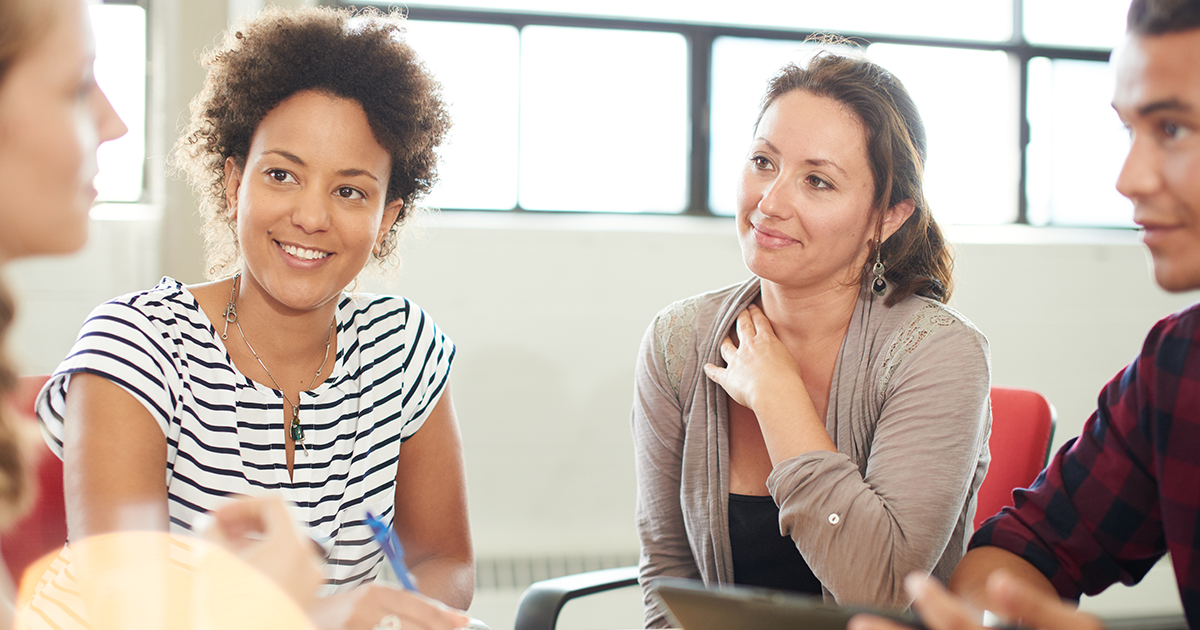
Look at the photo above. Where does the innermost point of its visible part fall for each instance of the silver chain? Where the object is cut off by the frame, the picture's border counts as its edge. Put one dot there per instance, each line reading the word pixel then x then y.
pixel 231 316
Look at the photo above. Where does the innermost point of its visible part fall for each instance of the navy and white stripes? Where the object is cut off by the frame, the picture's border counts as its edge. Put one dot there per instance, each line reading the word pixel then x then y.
pixel 225 432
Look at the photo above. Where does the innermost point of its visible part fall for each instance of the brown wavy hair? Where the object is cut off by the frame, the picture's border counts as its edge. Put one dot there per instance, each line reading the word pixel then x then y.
pixel 22 23
pixel 917 257
pixel 361 56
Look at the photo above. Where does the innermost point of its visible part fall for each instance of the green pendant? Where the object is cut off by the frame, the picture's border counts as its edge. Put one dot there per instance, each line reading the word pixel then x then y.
pixel 297 430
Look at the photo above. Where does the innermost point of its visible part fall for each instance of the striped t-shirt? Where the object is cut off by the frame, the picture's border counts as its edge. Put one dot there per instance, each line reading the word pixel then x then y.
pixel 225 432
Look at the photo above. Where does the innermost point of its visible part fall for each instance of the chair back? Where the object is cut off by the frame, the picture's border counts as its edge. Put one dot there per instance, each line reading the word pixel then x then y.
pixel 44 528
pixel 1022 426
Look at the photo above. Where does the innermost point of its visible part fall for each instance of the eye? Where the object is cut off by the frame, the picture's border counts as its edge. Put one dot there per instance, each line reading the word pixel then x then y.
pixel 346 192
pixel 281 176
pixel 1174 131
pixel 817 182
pixel 760 162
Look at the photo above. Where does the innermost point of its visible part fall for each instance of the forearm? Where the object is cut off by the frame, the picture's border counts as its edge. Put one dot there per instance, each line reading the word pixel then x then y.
pixel 971 575
pixel 447 579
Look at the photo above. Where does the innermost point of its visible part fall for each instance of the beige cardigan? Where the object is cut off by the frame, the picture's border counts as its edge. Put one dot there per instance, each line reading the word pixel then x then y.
pixel 908 410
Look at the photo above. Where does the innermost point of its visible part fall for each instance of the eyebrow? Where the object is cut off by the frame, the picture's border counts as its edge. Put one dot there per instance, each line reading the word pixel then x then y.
pixel 346 172
pixel 812 161
pixel 1165 105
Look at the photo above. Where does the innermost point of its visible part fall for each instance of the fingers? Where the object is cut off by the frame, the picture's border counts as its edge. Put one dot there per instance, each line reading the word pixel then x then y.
pixel 939 609
pixel 416 611
pixel 237 522
pixel 759 319
pixel 1018 601
pixel 871 622
pixel 715 374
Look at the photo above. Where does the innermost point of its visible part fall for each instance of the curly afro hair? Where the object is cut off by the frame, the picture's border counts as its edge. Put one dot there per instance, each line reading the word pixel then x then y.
pixel 280 52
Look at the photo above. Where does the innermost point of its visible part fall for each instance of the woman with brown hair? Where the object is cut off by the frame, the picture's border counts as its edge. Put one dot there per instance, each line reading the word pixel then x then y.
pixel 53 116
pixel 823 426
pixel 311 142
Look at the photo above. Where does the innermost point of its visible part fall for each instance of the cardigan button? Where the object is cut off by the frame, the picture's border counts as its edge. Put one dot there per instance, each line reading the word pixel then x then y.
pixel 834 519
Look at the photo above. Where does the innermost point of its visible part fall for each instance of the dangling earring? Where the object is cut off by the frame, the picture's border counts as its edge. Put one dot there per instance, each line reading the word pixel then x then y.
pixel 879 284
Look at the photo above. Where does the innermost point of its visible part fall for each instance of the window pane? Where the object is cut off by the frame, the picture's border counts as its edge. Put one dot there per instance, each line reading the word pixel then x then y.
pixel 1083 23
pixel 121 72
pixel 1076 145
pixel 478 168
pixel 968 102
pixel 604 124
pixel 989 20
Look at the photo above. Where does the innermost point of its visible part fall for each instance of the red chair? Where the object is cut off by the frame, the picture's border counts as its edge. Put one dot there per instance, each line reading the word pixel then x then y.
pixel 1022 426
pixel 44 528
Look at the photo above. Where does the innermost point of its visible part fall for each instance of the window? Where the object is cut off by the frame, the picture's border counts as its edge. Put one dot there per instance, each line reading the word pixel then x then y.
pixel 648 105
pixel 121 72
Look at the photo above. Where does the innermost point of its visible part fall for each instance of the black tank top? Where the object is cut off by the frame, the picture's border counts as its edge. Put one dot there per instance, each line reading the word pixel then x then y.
pixel 761 557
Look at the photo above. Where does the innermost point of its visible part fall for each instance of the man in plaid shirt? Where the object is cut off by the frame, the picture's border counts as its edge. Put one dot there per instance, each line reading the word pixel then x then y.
pixel 1127 490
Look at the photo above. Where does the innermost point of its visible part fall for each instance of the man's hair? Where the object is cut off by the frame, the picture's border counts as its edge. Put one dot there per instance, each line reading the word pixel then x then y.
pixel 1158 17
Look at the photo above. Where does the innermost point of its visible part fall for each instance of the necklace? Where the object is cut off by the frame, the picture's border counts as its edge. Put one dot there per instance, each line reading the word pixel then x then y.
pixel 297 431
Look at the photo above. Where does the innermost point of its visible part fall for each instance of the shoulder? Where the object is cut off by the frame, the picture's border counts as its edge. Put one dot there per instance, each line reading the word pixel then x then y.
pixel 1174 334
pixel 918 320
pixel 921 326
pixel 167 305
pixel 675 328
pixel 376 318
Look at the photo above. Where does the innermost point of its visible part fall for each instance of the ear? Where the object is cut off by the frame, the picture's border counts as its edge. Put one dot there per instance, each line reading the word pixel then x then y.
pixel 390 212
pixel 895 217
pixel 233 182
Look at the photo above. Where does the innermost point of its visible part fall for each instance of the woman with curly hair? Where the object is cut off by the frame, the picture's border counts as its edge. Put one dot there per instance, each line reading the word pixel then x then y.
pixel 311 142
pixel 821 427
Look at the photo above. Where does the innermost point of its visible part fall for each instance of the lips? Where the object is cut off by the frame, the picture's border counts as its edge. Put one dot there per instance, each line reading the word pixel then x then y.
pixel 771 239
pixel 303 253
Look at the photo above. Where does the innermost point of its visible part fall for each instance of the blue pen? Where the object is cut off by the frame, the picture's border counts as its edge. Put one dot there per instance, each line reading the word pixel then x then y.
pixel 387 539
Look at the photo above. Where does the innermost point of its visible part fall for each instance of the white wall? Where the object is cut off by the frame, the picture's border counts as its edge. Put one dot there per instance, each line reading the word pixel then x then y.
pixel 548 311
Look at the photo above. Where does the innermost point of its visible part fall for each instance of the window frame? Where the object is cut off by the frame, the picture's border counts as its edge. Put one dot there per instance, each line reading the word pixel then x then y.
pixel 700 38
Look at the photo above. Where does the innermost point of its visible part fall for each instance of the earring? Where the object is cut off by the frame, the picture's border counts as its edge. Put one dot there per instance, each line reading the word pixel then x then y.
pixel 879 284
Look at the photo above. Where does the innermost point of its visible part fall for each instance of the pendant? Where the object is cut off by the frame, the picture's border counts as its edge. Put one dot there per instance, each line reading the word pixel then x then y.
pixel 297 430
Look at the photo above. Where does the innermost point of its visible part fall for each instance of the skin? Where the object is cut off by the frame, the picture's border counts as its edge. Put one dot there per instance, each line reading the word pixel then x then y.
pixel 1158 99
pixel 806 227
pixel 53 116
pixel 309 205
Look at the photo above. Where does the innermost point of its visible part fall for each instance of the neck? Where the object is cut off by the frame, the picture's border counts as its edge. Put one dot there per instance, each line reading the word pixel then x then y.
pixel 284 335
pixel 805 317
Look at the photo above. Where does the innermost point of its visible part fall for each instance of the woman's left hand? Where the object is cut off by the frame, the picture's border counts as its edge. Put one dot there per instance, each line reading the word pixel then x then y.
pixel 759 367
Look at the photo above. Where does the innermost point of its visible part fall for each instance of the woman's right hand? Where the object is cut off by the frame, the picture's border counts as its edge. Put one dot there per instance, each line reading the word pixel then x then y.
pixel 365 607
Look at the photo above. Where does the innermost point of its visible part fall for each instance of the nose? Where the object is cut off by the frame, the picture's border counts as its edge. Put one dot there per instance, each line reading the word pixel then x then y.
pixel 1141 174
pixel 109 125
pixel 312 212
pixel 776 201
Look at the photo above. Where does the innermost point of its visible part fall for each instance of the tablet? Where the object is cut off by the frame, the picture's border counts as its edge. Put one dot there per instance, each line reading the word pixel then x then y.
pixel 729 607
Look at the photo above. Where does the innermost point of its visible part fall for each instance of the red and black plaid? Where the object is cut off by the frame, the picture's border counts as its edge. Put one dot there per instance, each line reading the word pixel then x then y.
pixel 1127 490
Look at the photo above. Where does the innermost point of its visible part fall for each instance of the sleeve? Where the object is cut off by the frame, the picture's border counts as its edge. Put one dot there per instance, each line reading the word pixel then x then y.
pixel 863 533
pixel 425 365
pixel 127 346
pixel 1093 517
pixel 658 438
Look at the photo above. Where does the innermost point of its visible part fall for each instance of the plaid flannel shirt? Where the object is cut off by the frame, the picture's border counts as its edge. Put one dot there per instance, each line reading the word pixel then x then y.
pixel 1127 490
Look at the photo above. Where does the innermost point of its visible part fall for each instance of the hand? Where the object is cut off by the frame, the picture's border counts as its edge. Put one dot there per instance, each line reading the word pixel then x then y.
pixel 364 608
pixel 758 365
pixel 260 532
pixel 941 610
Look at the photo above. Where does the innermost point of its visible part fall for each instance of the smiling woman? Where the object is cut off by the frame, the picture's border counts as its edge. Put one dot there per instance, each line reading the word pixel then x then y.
pixel 310 143
pixel 777 423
